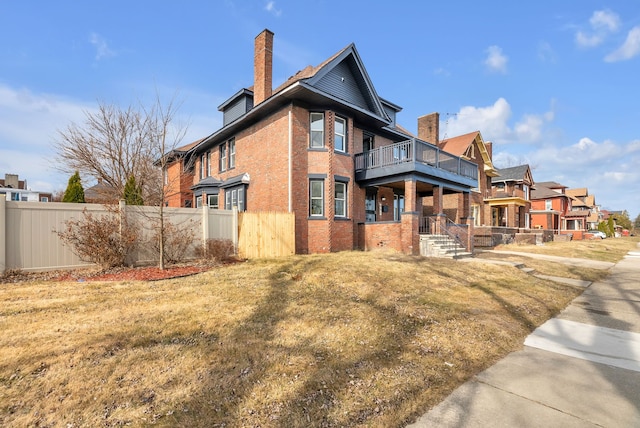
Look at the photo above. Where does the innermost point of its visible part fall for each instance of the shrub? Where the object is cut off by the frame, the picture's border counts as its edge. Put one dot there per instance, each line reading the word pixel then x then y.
pixel 177 240
pixel 101 239
pixel 74 192
pixel 218 249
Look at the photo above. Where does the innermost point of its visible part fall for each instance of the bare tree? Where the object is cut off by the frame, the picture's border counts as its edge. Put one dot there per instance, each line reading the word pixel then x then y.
pixel 166 137
pixel 112 145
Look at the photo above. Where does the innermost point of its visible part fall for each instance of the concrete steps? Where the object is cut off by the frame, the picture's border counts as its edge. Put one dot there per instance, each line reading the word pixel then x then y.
pixel 442 246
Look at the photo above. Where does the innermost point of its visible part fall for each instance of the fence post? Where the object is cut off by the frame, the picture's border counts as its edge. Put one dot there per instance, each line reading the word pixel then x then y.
pixel 122 208
pixel 235 228
pixel 205 227
pixel 3 232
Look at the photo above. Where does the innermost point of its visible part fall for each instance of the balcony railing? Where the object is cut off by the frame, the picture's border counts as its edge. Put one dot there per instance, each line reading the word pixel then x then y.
pixel 415 151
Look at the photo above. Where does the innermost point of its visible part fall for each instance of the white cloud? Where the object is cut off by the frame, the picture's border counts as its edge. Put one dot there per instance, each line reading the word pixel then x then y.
pixel 102 48
pixel 493 122
pixel 629 49
pixel 602 23
pixel 490 120
pixel 605 19
pixel 271 8
pixel 496 61
pixel 588 41
pixel 28 126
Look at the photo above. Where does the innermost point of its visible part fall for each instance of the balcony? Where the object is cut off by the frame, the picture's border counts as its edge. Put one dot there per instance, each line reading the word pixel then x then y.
pixel 413 156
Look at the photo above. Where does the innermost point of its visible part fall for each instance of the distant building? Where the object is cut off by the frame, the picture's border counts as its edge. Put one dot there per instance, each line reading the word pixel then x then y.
pixel 15 189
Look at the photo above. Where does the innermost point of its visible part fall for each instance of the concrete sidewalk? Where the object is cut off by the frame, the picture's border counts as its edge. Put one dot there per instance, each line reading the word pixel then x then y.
pixel 580 369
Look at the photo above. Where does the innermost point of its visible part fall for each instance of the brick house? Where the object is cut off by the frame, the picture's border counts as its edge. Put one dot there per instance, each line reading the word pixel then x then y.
pixel 510 198
pixel 473 148
pixel 178 177
pixel 325 146
pixel 552 208
pixel 582 197
pixel 14 189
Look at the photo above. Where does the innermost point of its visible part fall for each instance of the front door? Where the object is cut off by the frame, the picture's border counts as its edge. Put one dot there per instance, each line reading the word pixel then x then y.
pixel 370 205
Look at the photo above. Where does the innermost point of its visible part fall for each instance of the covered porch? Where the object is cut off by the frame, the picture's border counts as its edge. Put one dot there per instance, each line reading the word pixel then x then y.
pixel 405 186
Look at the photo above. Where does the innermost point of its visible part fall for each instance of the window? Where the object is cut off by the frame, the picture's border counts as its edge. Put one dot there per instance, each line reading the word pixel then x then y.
pixel 368 142
pixel 317 131
pixel 475 212
pixel 223 157
pixel 340 137
pixel 548 205
pixel 525 189
pixel 235 198
pixel 232 153
pixel 44 199
pixel 370 205
pixel 340 199
pixel 398 206
pixel 208 164
pixel 15 197
pixel 213 201
pixel 203 165
pixel 199 202
pixel 316 198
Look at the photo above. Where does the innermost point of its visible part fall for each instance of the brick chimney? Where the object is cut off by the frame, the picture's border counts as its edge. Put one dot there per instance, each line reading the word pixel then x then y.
pixel 262 67
pixel 429 128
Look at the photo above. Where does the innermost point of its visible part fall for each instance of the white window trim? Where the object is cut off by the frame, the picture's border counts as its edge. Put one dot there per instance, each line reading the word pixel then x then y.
pixel 232 153
pixel 223 157
pixel 214 206
pixel 344 135
pixel 319 198
pixel 203 162
pixel 344 199
pixel 312 131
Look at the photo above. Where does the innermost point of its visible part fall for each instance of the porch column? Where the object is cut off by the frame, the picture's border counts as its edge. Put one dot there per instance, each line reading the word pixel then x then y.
pixel 438 196
pixel 467 219
pixel 410 220
pixel 464 205
pixel 438 209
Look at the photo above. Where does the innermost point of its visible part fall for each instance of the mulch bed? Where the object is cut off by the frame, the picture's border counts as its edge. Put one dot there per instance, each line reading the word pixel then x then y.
pixel 146 273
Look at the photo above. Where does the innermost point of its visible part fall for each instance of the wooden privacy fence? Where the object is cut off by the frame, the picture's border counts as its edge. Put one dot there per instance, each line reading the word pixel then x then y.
pixel 266 234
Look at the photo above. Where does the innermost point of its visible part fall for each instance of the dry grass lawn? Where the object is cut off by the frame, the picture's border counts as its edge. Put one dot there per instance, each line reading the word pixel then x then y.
pixel 346 339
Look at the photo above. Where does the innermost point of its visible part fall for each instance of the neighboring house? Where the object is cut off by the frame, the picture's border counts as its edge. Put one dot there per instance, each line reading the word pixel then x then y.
pixel 326 147
pixel 178 177
pixel 100 193
pixel 589 202
pixel 552 208
pixel 472 147
pixel 510 198
pixel 15 189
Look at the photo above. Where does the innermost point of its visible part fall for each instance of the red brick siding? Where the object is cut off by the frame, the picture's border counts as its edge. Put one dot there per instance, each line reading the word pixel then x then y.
pixel 381 236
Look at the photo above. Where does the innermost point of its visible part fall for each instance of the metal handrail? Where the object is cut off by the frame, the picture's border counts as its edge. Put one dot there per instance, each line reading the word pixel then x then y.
pixel 449 228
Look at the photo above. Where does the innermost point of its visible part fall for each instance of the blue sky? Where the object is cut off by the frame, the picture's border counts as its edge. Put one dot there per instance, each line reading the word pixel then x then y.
pixel 551 84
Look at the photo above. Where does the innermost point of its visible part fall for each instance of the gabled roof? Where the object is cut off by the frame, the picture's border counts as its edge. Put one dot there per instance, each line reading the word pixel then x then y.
pixel 582 191
pixel 459 145
pixel 545 190
pixel 552 185
pixel 319 85
pixel 178 152
pixel 519 174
